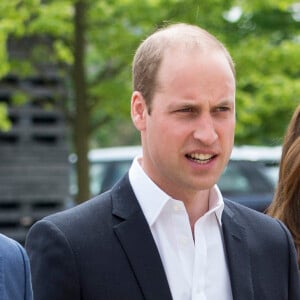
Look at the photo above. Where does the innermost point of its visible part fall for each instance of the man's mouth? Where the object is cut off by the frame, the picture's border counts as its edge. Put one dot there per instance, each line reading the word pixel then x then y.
pixel 200 158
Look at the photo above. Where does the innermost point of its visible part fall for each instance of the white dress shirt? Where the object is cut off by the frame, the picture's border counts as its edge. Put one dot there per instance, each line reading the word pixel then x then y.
pixel 196 267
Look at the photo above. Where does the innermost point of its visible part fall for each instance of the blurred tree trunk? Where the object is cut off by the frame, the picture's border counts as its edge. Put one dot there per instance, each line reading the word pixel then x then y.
pixel 81 120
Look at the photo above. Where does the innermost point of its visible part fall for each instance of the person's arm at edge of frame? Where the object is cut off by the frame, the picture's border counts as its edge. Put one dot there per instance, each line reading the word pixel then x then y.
pixel 28 294
pixel 14 271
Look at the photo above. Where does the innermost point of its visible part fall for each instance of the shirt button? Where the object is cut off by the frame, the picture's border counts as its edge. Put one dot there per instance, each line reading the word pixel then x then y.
pixel 177 207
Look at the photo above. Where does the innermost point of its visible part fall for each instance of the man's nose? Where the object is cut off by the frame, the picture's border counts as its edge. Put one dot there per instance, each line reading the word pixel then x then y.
pixel 205 130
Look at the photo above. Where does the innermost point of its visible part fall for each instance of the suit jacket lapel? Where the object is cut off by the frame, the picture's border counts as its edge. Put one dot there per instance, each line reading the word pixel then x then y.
pixel 238 257
pixel 136 239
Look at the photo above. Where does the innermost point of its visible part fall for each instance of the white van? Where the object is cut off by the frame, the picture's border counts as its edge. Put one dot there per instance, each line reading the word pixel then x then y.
pixel 249 178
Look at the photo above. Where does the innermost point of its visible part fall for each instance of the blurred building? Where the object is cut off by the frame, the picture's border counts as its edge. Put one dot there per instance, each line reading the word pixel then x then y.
pixel 34 169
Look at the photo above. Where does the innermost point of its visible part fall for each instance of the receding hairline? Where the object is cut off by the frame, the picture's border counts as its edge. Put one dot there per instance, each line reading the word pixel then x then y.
pixel 187 35
pixel 182 32
pixel 151 52
pixel 190 36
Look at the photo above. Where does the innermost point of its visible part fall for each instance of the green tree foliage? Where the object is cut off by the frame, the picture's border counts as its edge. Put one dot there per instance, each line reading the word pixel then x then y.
pixel 13 16
pixel 265 47
pixel 93 42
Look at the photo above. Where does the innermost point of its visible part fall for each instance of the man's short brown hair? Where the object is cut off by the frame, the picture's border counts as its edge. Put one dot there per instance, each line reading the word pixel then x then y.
pixel 149 54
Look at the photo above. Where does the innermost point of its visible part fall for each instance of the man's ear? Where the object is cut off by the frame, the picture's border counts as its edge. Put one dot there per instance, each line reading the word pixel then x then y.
pixel 138 110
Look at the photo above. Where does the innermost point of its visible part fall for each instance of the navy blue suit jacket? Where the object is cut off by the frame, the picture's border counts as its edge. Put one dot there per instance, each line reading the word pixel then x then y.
pixel 15 280
pixel 104 249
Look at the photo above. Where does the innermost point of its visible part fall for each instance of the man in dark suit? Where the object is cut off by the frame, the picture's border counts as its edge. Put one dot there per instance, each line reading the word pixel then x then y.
pixel 15 278
pixel 164 231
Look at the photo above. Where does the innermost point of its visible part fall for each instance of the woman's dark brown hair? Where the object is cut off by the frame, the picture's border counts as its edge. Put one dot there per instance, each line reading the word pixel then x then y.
pixel 286 203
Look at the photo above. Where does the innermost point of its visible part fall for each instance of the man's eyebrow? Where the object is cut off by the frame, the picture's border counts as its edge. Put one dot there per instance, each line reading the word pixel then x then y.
pixel 226 102
pixel 191 103
pixel 182 104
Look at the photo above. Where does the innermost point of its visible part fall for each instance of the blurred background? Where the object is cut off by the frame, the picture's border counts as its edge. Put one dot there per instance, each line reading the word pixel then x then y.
pixel 65 86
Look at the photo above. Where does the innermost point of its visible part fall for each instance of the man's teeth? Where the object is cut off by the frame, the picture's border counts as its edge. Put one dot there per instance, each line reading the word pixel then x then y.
pixel 200 157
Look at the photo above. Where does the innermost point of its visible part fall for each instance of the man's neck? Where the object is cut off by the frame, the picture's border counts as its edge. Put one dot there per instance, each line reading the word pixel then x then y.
pixel 197 207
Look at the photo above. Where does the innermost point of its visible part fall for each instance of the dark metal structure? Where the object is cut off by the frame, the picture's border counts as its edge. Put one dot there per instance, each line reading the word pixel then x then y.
pixel 34 168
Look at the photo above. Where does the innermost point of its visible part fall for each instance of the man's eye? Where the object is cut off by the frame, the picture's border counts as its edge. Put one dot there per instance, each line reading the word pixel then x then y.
pixel 186 109
pixel 223 108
